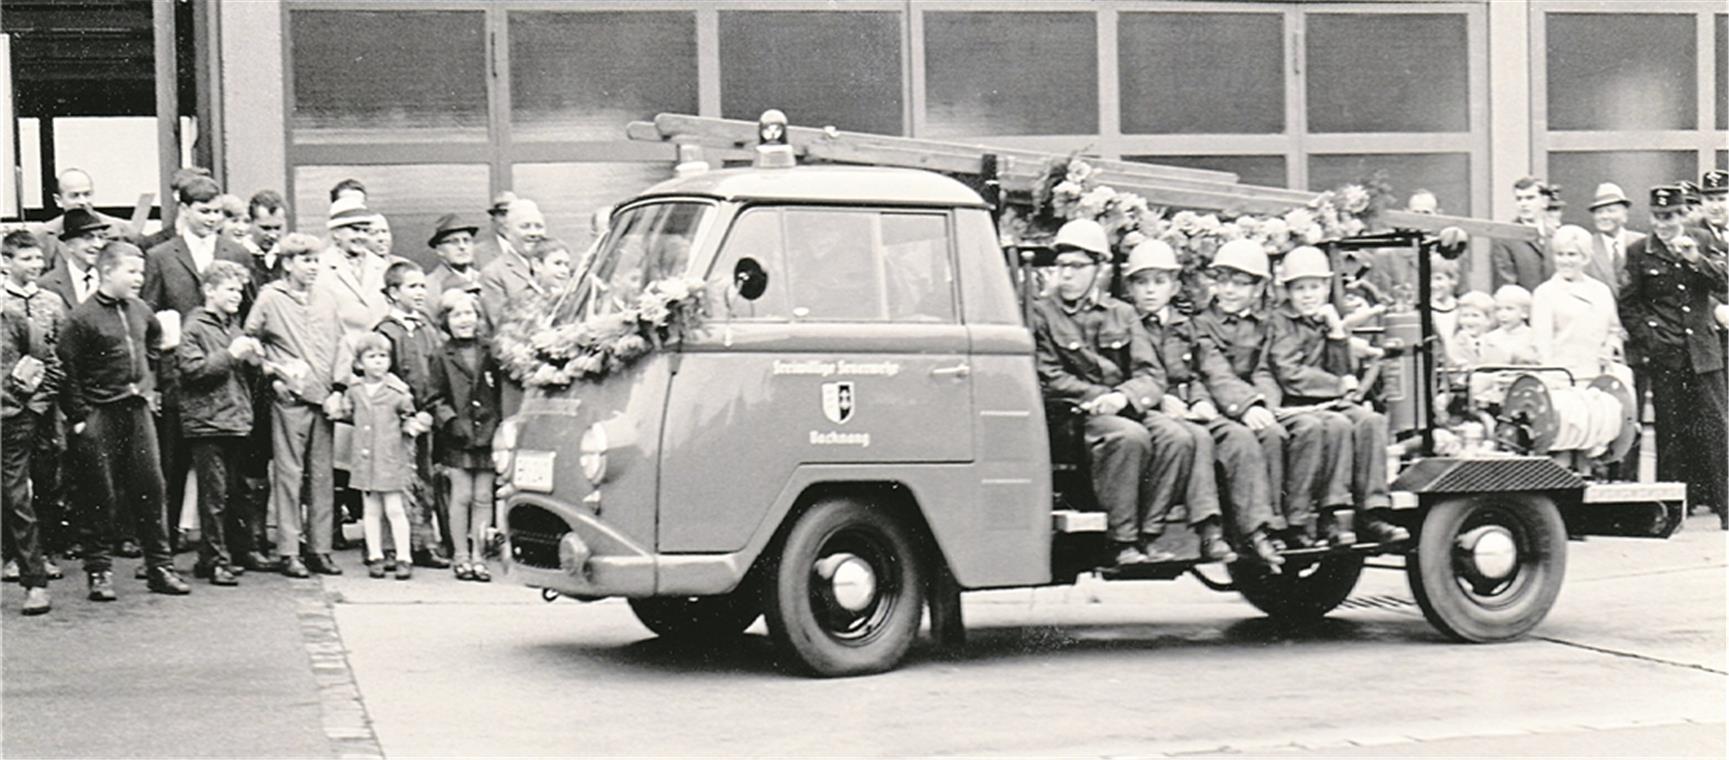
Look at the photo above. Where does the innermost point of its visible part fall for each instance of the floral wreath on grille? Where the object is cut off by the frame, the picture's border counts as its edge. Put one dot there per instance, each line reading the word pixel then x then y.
pixel 542 345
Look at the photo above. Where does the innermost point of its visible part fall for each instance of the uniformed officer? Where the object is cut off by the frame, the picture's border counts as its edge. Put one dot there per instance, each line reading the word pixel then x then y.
pixel 1714 206
pixel 1666 310
pixel 1093 352
pixel 1191 366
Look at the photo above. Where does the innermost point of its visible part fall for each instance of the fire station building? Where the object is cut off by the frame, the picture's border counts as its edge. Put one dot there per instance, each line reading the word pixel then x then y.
pixel 438 105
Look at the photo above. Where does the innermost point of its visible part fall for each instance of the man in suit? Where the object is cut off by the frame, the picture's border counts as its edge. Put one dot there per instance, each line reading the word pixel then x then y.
pixel 1665 305
pixel 74 277
pixel 74 190
pixel 171 226
pixel 492 244
pixel 453 242
pixel 1524 262
pixel 510 275
pixel 350 281
pixel 173 282
pixel 1609 246
pixel 268 214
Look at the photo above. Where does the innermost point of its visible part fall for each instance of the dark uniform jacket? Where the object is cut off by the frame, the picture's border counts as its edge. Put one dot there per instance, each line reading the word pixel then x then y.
pixel 215 392
pixel 1666 304
pixel 1242 339
pixel 1099 348
pixel 1309 366
pixel 109 354
pixel 1195 370
pixel 465 403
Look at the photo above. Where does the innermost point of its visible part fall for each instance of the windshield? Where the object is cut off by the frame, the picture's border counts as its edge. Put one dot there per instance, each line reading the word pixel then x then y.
pixel 646 243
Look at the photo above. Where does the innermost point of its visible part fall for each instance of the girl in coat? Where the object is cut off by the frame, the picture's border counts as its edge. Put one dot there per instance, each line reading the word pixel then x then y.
pixel 465 405
pixel 381 408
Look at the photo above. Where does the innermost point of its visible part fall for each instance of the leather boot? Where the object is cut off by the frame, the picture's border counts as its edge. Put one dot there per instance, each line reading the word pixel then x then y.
pixel 221 575
pixel 1264 548
pixel 1374 529
pixel 102 586
pixel 1213 546
pixel 36 601
pixel 163 580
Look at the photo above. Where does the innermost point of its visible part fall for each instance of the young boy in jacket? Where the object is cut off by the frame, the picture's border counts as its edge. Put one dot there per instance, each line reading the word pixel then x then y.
pixel 414 344
pixel 1191 365
pixel 1309 357
pixel 1091 351
pixel 110 352
pixel 214 359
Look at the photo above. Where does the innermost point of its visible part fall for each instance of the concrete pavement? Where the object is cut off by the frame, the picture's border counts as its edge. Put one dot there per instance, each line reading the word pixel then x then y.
pixel 1630 663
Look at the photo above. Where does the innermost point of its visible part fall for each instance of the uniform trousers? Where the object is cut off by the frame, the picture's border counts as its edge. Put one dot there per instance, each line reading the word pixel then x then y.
pixel 23 533
pixel 225 516
pixel 1692 413
pixel 1120 452
pixel 1368 437
pixel 1301 457
pixel 1180 472
pixel 302 450
pixel 117 483
pixel 1246 497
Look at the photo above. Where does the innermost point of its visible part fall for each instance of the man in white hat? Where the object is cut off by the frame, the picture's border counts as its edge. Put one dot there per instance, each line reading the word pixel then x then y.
pixel 351 275
pixel 1609 246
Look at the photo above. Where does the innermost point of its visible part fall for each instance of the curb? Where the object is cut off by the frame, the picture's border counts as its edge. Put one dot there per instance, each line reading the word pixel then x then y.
pixel 346 723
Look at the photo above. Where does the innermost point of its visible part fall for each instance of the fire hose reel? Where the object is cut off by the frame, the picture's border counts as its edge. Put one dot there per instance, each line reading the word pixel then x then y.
pixel 1598 419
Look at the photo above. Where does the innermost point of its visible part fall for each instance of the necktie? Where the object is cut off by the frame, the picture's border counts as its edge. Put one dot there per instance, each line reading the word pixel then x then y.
pixel 89 282
pixel 1615 253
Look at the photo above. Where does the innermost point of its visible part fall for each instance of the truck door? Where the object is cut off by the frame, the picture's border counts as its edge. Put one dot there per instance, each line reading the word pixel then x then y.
pixel 853 353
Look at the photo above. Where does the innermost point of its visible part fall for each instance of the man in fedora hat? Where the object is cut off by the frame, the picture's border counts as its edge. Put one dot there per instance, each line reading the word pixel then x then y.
pixel 1609 246
pixel 74 189
pixel 74 277
pixel 453 242
pixel 496 241
pixel 1665 305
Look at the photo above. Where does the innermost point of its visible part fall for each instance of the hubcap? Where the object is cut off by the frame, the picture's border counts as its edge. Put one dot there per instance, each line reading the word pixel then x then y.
pixel 852 583
pixel 1492 552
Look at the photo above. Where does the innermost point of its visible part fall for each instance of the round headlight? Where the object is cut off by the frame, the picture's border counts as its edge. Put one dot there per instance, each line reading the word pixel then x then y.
pixel 593 450
pixel 504 445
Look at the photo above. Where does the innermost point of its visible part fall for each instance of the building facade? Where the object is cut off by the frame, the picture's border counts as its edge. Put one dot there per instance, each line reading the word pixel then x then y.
pixel 437 105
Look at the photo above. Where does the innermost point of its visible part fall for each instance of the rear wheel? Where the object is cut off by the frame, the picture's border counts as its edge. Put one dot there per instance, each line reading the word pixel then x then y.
pixel 845 596
pixel 697 618
pixel 1488 568
pixel 1298 593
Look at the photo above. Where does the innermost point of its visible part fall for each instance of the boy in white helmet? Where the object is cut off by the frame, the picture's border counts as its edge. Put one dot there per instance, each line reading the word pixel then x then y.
pixel 1152 279
pixel 1092 351
pixel 1309 356
pixel 1293 451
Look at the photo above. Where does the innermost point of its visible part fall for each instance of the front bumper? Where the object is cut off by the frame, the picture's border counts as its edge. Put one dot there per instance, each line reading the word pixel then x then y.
pixel 552 544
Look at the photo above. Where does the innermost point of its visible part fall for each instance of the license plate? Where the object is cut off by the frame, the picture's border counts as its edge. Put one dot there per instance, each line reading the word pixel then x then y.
pixel 534 470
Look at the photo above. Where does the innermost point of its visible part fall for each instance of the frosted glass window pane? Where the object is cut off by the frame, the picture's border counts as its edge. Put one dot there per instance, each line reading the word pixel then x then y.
pixel 1267 171
pixel 1159 55
pixel 1636 171
pixel 359 72
pixel 1387 72
pixel 820 68
pixel 411 196
pixel 1722 71
pixel 1622 71
pixel 583 76
pixel 570 193
pixel 1447 175
pixel 1011 74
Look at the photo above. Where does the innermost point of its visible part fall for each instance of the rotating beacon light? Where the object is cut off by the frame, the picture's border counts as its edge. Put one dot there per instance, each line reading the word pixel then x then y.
pixel 772 150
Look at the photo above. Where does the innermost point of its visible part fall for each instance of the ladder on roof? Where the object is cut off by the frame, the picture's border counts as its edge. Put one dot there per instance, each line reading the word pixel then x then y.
pixel 1022 170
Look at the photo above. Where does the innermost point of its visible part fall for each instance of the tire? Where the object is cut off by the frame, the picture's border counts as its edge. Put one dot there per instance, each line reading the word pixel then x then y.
pixel 1298 594
pixel 850 627
pixel 696 618
pixel 1468 603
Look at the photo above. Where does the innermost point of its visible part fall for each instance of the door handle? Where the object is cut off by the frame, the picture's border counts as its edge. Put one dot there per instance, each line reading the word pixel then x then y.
pixel 959 370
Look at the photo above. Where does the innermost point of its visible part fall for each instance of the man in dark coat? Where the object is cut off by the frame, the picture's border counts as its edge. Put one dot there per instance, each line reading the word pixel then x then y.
pixel 1665 304
pixel 1524 262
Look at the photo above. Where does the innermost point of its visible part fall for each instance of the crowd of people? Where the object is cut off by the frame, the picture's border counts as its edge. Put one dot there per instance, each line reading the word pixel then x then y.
pixel 1266 378
pixel 283 383
pixel 295 383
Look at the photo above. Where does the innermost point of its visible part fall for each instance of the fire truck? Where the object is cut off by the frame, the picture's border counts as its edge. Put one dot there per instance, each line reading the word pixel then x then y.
pixel 856 435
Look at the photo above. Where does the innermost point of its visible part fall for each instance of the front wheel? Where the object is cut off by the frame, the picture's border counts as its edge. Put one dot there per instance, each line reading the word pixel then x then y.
pixel 1489 567
pixel 697 618
pixel 845 595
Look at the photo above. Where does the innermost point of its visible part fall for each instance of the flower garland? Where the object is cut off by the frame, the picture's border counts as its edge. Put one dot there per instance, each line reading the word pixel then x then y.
pixel 539 351
pixel 1070 190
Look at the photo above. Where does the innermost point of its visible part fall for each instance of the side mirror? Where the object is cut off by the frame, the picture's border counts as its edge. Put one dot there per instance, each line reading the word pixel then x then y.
pixel 750 278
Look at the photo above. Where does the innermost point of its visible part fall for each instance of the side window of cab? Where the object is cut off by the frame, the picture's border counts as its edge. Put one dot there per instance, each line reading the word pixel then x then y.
pixel 754 242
